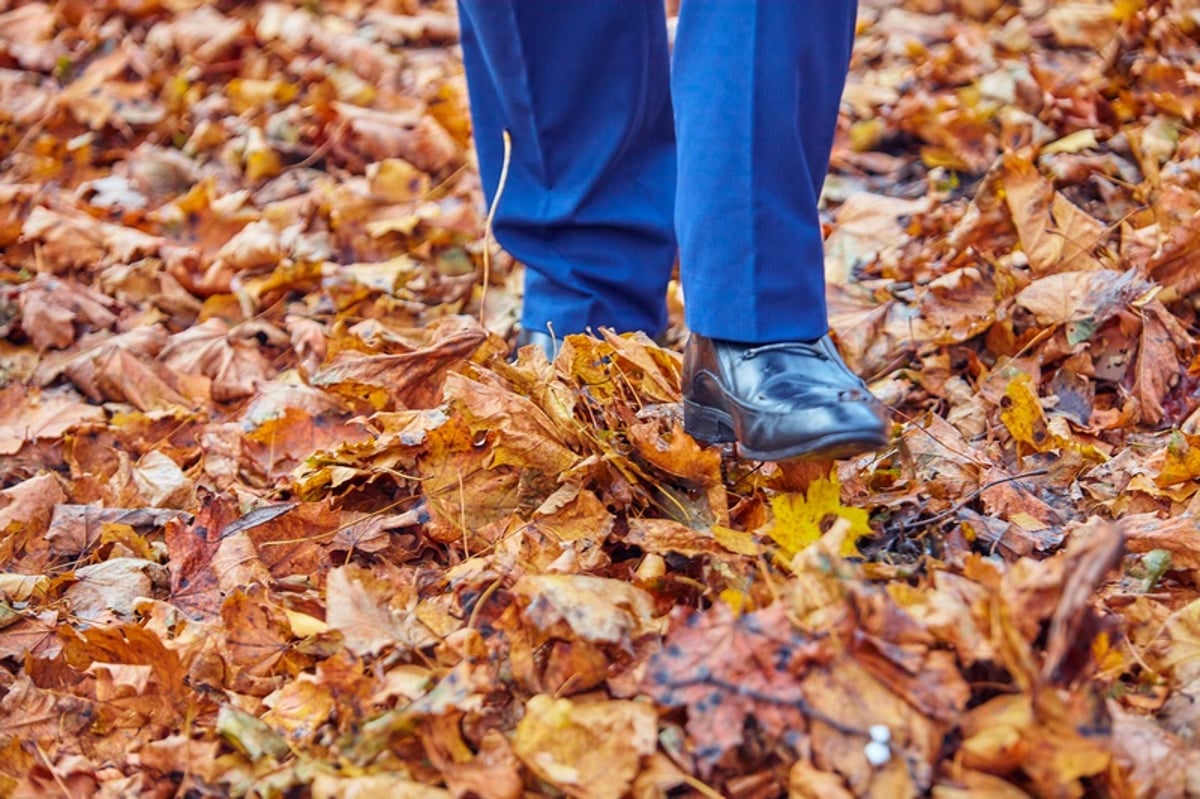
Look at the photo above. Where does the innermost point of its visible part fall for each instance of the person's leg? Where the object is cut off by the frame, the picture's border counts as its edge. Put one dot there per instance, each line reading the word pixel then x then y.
pixel 756 86
pixel 582 87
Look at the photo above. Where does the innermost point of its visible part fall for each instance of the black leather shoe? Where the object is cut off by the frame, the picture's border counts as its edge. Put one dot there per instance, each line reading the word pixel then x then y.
pixel 778 401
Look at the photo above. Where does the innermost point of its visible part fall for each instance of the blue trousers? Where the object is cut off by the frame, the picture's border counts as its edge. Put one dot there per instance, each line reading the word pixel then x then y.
pixel 621 160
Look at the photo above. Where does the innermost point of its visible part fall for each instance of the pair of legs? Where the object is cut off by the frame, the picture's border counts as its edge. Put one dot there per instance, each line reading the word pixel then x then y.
pixel 621 160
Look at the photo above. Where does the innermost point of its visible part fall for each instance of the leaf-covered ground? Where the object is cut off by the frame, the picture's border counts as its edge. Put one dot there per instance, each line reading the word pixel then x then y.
pixel 277 517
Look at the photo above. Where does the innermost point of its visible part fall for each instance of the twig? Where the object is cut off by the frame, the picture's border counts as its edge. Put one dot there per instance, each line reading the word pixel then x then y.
pixel 957 506
pixel 62 786
pixel 322 150
pixel 488 234
pixel 483 600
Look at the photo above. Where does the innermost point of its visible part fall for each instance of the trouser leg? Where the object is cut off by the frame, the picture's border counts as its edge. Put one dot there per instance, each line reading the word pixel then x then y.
pixel 583 89
pixel 756 86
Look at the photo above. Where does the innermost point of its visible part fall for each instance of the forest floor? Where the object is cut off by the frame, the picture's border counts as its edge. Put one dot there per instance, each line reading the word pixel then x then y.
pixel 278 518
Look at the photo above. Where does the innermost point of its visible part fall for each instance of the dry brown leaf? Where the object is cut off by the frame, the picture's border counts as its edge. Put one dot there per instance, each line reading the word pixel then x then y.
pixel 358 606
pixel 405 133
pixel 595 609
pixel 1162 345
pixel 235 366
pixel 591 750
pixel 726 670
pixel 113 586
pixel 190 549
pixel 253 236
pixel 29 713
pixel 1179 536
pixel 1071 297
pixel 52 307
pixel 1093 552
pixel 26 416
pixel 410 380
pixel 256 632
pixel 524 436
pixel 30 504
pixel 124 369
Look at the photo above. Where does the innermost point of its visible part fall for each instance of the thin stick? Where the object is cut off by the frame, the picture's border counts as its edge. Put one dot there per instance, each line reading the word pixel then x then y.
pixel 957 506
pixel 62 786
pixel 488 235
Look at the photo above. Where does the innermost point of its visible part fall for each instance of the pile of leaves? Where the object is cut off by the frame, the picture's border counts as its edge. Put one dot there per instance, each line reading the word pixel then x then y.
pixel 278 517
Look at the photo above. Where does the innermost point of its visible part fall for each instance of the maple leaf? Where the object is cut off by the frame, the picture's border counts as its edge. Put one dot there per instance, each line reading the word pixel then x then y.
pixel 31 713
pixel 413 379
pixel 256 630
pixel 727 671
pixel 52 307
pixel 358 607
pixel 237 267
pixel 124 368
pixel 27 416
pixel 234 364
pixel 800 519
pixel 1024 417
pixel 190 549
pixel 112 586
pixel 30 504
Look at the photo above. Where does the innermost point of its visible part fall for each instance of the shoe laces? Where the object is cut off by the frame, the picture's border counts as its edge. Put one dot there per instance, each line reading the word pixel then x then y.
pixel 785 346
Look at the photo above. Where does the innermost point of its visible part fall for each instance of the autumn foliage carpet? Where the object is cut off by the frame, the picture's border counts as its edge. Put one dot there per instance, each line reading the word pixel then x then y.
pixel 278 519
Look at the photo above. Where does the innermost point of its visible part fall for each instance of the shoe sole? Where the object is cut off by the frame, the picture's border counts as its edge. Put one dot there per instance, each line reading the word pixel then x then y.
pixel 714 426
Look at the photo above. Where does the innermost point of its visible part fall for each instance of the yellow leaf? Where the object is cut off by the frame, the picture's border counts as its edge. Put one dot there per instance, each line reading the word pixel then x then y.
pixel 304 625
pixel 1182 461
pixel 799 517
pixel 1127 9
pixel 866 134
pixel 396 180
pixel 1023 416
pixel 589 750
pixel 20 587
pixel 1075 142
pixel 246 94
pixel 736 541
pixel 736 600
pixel 262 162
pixel 1027 522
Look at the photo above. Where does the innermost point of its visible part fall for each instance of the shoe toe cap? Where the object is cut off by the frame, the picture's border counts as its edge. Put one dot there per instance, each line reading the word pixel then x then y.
pixel 841 427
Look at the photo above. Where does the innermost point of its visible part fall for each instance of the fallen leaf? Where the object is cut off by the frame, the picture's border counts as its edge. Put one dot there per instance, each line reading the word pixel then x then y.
pixel 113 586
pixel 727 670
pixel 586 750
pixel 800 519
pixel 357 606
pixel 596 609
